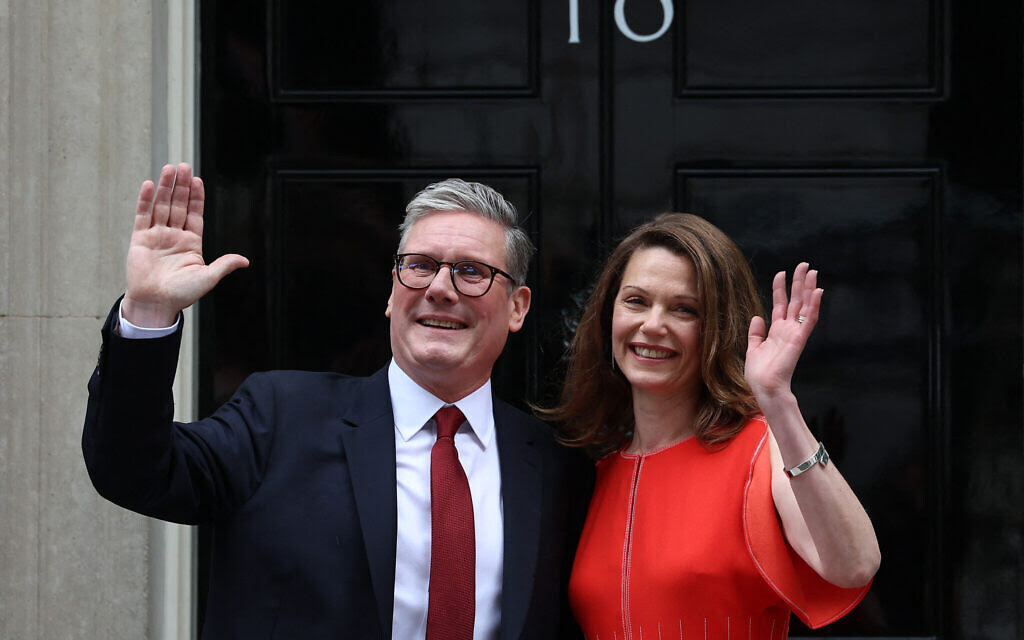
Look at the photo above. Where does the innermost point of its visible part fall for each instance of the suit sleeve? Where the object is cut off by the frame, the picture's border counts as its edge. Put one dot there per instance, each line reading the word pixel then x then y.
pixel 140 459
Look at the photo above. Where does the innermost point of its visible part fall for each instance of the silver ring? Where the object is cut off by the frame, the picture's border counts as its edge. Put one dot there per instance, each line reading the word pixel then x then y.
pixel 801 319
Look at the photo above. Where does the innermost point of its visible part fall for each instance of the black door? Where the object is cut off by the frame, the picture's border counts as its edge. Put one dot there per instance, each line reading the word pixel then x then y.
pixel 879 140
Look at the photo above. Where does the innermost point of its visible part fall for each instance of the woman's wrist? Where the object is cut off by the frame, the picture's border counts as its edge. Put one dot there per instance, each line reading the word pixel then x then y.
pixel 795 440
pixel 780 402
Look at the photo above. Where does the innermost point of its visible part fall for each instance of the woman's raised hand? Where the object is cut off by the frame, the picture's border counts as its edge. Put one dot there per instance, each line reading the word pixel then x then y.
pixel 165 271
pixel 772 353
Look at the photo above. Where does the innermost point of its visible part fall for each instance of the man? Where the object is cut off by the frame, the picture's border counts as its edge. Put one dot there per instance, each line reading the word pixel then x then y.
pixel 340 507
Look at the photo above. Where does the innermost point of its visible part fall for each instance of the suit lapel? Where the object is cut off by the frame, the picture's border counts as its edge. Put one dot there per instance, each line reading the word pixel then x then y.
pixel 368 434
pixel 521 488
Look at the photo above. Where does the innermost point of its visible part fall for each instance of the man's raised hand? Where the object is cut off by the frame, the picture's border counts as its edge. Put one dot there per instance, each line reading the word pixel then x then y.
pixel 166 272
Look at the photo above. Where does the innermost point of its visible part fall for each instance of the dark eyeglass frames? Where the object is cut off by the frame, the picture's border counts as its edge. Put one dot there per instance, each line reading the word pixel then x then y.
pixel 469 277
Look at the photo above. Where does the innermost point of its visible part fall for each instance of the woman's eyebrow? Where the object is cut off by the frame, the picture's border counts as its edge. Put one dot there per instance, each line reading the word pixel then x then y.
pixel 676 296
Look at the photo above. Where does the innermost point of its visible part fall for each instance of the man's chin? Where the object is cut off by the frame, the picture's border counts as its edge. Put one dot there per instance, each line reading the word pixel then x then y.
pixel 446 377
pixel 438 361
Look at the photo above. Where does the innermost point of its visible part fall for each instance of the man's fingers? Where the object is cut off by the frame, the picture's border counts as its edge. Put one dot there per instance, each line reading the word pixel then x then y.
pixel 196 202
pixel 180 196
pixel 224 265
pixel 144 206
pixel 162 200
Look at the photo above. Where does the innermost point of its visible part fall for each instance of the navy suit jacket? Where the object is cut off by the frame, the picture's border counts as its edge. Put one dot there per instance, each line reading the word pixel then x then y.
pixel 296 474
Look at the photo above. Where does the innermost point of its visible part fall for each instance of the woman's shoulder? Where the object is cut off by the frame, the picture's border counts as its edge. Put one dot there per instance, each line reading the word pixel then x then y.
pixel 751 437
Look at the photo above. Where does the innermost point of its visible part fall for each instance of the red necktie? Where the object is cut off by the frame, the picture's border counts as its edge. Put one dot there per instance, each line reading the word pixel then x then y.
pixel 452 595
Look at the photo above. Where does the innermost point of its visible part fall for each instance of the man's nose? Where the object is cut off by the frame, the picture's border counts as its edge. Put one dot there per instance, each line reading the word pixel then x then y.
pixel 441 287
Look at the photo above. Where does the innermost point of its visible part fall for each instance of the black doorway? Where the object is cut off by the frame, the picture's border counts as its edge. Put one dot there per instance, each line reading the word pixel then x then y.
pixel 879 140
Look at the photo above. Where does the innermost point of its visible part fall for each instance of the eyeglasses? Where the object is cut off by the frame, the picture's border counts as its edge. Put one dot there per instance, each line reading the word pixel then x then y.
pixel 469 277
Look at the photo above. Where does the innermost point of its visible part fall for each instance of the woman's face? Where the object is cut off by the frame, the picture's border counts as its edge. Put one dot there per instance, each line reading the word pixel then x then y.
pixel 656 323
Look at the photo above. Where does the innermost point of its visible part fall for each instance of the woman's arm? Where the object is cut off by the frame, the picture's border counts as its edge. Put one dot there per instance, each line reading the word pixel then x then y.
pixel 821 517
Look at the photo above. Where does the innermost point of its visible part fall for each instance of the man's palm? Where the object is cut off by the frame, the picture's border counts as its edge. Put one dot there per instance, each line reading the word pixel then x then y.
pixel 166 271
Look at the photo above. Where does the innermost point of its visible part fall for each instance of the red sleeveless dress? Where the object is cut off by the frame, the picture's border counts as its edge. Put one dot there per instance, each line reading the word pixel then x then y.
pixel 686 543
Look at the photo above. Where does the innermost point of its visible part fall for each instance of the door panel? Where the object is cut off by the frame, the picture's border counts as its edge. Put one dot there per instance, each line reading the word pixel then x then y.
pixel 743 49
pixel 868 384
pixel 332 51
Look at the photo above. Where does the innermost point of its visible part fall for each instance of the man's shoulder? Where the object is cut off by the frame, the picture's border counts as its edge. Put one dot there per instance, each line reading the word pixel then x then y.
pixel 299 385
pixel 331 377
pixel 506 415
pixel 511 412
pixel 572 461
pixel 298 376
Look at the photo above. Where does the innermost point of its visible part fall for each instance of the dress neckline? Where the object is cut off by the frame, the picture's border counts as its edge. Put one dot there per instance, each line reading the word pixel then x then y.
pixel 633 456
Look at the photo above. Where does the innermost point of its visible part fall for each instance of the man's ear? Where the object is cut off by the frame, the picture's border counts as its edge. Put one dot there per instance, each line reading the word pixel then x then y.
pixel 519 306
pixel 387 310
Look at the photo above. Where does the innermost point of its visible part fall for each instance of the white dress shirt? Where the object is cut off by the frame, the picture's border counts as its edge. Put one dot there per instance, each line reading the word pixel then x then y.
pixel 415 432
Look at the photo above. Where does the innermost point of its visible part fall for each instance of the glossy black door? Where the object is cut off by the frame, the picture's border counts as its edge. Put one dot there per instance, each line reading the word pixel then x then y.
pixel 881 141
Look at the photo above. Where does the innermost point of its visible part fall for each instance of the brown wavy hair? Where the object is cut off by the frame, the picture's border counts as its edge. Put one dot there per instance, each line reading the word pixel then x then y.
pixel 595 409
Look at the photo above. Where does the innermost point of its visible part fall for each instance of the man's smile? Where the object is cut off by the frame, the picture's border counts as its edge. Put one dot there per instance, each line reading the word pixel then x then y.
pixel 437 323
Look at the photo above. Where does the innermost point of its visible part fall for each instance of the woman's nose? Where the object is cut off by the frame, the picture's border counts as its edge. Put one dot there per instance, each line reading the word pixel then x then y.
pixel 654 322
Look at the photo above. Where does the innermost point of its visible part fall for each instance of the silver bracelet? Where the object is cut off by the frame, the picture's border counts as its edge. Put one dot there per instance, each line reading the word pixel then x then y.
pixel 818 456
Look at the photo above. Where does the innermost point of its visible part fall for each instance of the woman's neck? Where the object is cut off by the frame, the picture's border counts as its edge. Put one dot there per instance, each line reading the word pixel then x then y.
pixel 661 421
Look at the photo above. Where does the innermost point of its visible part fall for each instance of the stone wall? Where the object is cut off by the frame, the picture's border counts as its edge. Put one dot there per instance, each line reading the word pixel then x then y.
pixel 80 90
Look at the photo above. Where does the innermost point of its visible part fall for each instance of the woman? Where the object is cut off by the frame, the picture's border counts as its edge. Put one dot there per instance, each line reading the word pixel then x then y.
pixel 705 522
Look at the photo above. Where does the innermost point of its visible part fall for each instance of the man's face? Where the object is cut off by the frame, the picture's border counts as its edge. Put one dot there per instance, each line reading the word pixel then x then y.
pixel 445 341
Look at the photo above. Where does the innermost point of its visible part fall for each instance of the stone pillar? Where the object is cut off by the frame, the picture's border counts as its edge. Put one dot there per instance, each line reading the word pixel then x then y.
pixel 84 118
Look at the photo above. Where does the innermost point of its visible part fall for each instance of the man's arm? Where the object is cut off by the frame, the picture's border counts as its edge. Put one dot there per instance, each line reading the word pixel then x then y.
pixel 135 454
pixel 138 458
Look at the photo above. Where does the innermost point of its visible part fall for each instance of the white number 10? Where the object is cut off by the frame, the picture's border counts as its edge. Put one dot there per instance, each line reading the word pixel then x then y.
pixel 620 21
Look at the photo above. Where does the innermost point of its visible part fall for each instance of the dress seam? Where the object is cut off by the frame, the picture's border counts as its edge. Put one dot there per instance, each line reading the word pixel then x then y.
pixel 627 555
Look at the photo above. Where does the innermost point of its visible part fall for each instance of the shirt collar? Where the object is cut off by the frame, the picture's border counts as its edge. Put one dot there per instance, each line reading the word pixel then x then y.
pixel 413 406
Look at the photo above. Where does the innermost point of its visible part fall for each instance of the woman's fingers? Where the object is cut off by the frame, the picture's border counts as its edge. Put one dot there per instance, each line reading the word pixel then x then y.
pixel 779 300
pixel 810 285
pixel 797 294
pixel 756 333
pixel 804 299
pixel 811 309
pixel 808 312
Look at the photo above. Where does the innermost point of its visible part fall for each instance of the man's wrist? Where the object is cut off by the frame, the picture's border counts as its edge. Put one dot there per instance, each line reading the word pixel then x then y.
pixel 146 315
pixel 127 329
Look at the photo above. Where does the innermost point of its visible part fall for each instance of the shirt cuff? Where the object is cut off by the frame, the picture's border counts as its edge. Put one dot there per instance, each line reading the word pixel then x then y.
pixel 128 330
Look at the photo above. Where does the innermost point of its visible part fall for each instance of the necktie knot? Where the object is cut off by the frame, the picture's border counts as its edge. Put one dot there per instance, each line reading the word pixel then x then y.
pixel 449 419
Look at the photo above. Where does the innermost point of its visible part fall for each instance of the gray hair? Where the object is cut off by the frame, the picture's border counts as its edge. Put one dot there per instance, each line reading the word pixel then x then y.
pixel 454 194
